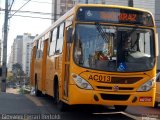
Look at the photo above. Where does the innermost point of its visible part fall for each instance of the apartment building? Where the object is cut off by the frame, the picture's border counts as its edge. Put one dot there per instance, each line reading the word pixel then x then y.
pixel 27 46
pixel 21 52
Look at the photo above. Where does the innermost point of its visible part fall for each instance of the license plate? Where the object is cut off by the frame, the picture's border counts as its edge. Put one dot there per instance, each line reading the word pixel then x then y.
pixel 145 99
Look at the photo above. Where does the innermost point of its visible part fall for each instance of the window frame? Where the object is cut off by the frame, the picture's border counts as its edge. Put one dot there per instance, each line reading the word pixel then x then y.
pixel 60 37
pixel 42 48
pixel 51 41
pixel 38 49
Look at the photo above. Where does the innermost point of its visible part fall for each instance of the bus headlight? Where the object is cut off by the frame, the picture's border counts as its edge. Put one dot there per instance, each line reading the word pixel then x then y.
pixel 147 86
pixel 80 82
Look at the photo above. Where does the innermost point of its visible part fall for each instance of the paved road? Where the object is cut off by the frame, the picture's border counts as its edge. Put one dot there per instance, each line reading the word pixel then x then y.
pixel 31 107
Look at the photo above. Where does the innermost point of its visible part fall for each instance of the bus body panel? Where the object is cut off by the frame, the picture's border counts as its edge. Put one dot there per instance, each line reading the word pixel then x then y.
pixel 38 67
pixel 49 76
pixel 54 66
pixel 43 75
pixel 32 65
pixel 158 91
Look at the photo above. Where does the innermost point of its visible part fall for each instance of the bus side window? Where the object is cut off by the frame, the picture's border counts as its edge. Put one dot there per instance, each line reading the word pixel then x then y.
pixel 38 49
pixel 60 39
pixel 53 42
pixel 41 50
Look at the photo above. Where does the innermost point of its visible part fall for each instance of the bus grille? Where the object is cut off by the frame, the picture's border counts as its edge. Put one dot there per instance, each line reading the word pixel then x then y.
pixel 125 80
pixel 110 88
pixel 114 97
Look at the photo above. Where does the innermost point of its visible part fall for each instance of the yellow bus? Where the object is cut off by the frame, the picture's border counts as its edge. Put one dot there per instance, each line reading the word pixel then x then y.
pixel 97 54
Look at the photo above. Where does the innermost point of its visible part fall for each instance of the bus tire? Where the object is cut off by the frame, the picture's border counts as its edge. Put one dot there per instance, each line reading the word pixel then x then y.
pixel 120 107
pixel 155 104
pixel 37 92
pixel 60 104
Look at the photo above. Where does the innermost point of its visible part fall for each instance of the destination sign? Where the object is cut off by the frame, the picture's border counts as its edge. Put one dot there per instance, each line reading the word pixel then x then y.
pixel 118 16
pixel 114 15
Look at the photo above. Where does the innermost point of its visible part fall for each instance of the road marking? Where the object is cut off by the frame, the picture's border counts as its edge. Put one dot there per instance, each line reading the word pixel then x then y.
pixel 132 116
pixel 34 99
pixel 126 114
pixel 108 113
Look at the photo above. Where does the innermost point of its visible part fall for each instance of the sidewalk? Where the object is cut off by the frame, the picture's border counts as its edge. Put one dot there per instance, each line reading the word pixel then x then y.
pixel 11 90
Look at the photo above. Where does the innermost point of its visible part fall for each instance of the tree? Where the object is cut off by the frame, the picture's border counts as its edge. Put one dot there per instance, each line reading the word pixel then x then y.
pixel 17 71
pixel 10 78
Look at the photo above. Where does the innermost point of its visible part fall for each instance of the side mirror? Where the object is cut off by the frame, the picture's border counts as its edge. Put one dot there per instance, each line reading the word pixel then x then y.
pixel 156 42
pixel 69 35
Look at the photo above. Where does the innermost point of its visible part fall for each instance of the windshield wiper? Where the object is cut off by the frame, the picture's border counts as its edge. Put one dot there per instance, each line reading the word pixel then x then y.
pixel 104 35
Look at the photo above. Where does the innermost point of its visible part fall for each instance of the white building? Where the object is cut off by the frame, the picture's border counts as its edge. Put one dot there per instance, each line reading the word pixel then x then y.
pixel 18 49
pixel 12 56
pixel 26 56
pixel 21 52
pixel 16 52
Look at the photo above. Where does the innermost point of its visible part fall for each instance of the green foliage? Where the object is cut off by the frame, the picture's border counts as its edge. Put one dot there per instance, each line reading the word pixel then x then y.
pixel 17 71
pixel 23 91
pixel 17 68
pixel 10 78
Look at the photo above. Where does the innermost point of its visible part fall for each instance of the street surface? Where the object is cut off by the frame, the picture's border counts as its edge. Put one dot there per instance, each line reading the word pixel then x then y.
pixel 32 107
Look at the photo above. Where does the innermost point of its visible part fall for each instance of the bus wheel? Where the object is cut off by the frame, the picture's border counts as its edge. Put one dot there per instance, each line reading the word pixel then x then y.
pixel 120 107
pixel 60 105
pixel 155 104
pixel 37 92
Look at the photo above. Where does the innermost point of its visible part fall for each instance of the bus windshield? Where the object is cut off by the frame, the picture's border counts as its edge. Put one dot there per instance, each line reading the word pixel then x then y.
pixel 112 48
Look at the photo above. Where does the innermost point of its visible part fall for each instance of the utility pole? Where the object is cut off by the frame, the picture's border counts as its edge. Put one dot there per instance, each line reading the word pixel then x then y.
pixel 4 60
pixel 55 10
pixel 86 1
pixel 130 3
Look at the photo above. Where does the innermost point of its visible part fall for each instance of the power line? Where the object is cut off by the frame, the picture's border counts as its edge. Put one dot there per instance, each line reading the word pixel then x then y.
pixel 20 8
pixel 36 17
pixel 52 3
pixel 40 2
pixel 33 17
pixel 34 12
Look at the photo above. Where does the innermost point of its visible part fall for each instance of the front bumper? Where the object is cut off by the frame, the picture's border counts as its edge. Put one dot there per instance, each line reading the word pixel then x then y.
pixel 81 96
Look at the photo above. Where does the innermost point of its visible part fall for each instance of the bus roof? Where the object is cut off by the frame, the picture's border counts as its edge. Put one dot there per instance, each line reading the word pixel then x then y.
pixel 112 6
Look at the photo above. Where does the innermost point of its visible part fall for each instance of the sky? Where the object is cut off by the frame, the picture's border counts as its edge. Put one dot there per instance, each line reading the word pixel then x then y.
pixel 19 25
